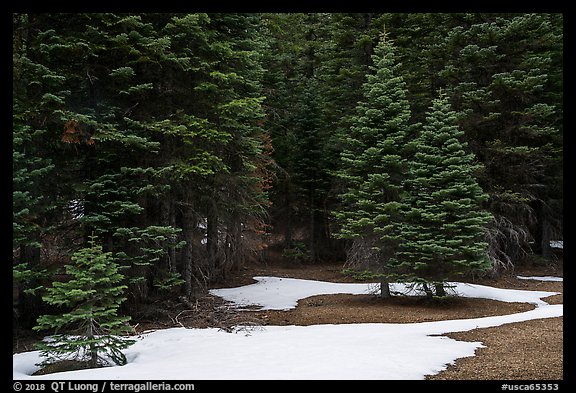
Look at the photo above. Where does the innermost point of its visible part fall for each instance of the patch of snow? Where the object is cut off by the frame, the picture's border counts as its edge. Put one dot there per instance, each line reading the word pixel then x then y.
pixel 365 351
pixel 347 351
pixel 275 293
pixel 541 278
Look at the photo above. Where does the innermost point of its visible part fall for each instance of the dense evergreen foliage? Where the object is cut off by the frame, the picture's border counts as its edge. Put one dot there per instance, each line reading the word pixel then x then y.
pixel 505 74
pixel 90 300
pixel 443 229
pixel 373 167
pixel 190 144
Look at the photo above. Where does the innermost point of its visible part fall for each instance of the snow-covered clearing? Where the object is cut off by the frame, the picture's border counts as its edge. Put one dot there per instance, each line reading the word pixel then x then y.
pixel 346 351
pixel 541 278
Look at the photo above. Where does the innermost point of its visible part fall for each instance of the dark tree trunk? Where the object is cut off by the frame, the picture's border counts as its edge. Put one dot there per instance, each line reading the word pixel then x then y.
pixel 385 289
pixel 440 290
pixel 233 245
pixel 312 229
pixel 545 241
pixel 93 362
pixel 28 307
pixel 542 233
pixel 167 219
pixel 428 291
pixel 288 242
pixel 187 252
pixel 164 220
pixel 546 230
pixel 212 242
pixel 172 261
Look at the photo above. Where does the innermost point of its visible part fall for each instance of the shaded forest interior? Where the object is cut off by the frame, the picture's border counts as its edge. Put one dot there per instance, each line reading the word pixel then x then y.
pixel 189 145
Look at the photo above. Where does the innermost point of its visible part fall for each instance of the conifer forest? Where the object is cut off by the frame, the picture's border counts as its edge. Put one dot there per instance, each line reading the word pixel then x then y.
pixel 156 154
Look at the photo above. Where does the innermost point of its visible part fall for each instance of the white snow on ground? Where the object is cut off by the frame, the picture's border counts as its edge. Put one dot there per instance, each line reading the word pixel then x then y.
pixel 347 351
pixel 274 293
pixel 541 278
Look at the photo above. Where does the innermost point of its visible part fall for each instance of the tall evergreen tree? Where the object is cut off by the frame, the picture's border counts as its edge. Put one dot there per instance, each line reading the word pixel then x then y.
pixel 373 168
pixel 444 233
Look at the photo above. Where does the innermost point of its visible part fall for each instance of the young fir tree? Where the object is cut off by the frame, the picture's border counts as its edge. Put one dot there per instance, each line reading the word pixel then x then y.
pixel 444 230
pixel 90 300
pixel 373 167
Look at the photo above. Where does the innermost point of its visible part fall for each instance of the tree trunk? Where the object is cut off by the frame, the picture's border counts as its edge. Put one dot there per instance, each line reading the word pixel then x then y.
pixel 237 246
pixel 93 361
pixel 312 226
pixel 385 289
pixel 545 242
pixel 428 291
pixel 288 224
pixel 187 262
pixel 440 291
pixel 234 246
pixel 212 242
pixel 172 249
pixel 165 221
pixel 29 306
pixel 187 251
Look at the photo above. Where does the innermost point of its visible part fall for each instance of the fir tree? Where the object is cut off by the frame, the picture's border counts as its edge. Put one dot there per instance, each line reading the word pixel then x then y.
pixel 373 167
pixel 90 300
pixel 444 230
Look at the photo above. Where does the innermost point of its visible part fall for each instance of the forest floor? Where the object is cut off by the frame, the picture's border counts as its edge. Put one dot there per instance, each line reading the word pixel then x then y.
pixel 531 350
